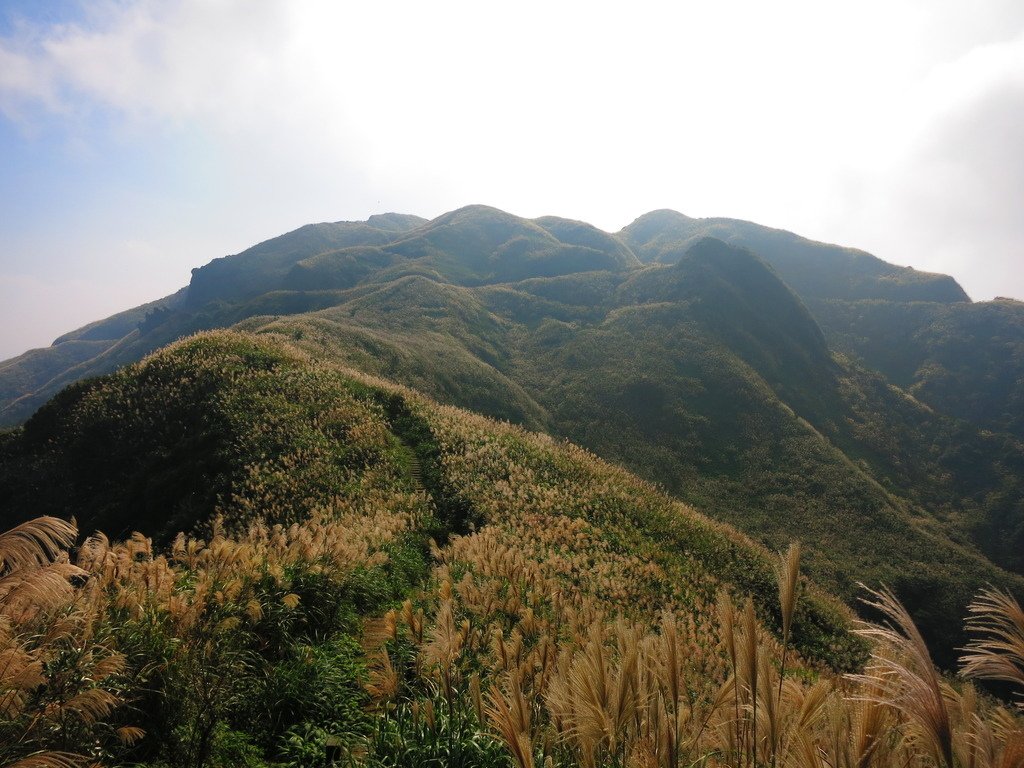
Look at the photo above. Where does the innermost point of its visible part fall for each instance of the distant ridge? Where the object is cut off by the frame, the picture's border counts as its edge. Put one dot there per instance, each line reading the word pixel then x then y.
pixel 814 270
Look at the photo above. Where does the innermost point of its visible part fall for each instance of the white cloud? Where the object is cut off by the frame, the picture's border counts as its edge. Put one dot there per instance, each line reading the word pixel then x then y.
pixel 539 105
pixel 948 197
pixel 23 79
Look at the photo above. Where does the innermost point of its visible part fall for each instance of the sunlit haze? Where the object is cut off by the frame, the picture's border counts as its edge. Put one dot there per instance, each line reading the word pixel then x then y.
pixel 142 139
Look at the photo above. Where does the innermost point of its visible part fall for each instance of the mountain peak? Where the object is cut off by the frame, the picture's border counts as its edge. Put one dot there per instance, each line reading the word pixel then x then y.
pixel 396 222
pixel 652 224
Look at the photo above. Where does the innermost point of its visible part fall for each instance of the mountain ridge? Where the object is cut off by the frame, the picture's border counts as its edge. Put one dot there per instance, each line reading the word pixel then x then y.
pixel 794 257
pixel 713 375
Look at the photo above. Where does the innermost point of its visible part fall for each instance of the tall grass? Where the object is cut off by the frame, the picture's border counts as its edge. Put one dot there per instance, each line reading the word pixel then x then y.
pixel 185 635
pixel 503 659
pixel 576 682
pixel 997 650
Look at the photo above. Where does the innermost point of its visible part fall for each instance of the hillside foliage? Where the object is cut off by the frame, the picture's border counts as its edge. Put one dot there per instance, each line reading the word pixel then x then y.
pixel 469 593
pixel 792 389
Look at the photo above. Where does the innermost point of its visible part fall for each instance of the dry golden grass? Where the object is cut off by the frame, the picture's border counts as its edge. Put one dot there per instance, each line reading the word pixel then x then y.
pixel 997 651
pixel 580 680
pixel 561 673
pixel 60 669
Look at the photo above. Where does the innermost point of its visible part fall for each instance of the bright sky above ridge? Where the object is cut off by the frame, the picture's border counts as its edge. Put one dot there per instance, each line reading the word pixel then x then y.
pixel 141 139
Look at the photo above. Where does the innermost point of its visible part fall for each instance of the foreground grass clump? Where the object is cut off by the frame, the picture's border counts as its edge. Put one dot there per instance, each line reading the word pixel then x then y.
pixel 218 650
pixel 564 679
pixel 206 658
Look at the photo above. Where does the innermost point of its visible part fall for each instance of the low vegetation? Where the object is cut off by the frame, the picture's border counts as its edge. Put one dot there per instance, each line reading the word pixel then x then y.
pixel 243 651
pixel 420 586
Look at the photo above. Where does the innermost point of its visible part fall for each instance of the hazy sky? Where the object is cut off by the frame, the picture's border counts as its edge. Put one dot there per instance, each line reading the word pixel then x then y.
pixel 141 139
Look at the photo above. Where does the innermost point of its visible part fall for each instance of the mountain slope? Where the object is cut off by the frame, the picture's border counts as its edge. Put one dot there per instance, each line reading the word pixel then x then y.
pixel 704 371
pixel 249 428
pixel 715 382
pixel 450 591
pixel 966 360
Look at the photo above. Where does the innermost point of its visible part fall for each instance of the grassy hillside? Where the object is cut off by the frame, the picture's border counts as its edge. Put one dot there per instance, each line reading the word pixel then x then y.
pixel 711 378
pixel 704 371
pixel 452 592
pixel 247 427
pixel 966 360
pixel 255 434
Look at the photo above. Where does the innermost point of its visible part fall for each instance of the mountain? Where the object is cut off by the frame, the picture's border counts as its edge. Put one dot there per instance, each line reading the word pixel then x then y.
pixel 728 363
pixel 917 328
